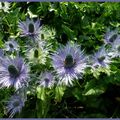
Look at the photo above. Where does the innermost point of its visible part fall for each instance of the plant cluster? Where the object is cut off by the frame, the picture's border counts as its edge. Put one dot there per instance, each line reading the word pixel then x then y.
pixel 59 57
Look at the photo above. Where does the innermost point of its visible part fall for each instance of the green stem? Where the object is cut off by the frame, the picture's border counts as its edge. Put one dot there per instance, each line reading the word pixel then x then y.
pixel 116 110
pixel 8 24
pixel 43 106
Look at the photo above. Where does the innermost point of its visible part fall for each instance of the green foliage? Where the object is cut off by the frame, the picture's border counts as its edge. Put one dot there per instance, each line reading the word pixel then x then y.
pixel 84 23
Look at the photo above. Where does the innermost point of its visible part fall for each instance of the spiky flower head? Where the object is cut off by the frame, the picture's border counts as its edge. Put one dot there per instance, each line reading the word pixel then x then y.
pixel 69 62
pixel 46 80
pixel 5 6
pixel 13 72
pixel 47 33
pixel 11 46
pixel 38 54
pixel 101 58
pixel 14 105
pixel 110 36
pixel 30 29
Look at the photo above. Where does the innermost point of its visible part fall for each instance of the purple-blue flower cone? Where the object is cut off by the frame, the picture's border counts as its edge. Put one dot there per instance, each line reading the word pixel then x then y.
pixel 30 29
pixel 69 62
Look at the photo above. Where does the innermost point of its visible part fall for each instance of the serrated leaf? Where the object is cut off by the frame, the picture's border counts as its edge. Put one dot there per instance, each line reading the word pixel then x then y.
pixel 59 92
pixel 94 87
pixel 96 73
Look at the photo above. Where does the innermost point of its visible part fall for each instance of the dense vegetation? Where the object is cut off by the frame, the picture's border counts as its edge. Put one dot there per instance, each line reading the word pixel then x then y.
pixel 96 93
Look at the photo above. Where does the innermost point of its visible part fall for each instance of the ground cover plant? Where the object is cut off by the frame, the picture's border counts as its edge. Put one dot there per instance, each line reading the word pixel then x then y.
pixel 59 60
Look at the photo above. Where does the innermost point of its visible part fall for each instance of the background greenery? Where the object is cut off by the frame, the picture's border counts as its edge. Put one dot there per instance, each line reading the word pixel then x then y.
pixel 96 94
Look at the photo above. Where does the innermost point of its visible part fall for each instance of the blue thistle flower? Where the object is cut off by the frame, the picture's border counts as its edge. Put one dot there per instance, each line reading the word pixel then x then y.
pixel 69 62
pixel 115 51
pixel 46 80
pixel 110 36
pixel 38 54
pixel 11 46
pixel 13 72
pixel 14 105
pixel 29 28
pixel 101 58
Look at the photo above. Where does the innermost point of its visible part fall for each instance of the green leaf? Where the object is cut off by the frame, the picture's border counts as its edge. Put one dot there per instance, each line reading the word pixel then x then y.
pixel 94 91
pixel 41 93
pixel 42 108
pixel 96 72
pixel 94 87
pixel 59 92
pixel 68 31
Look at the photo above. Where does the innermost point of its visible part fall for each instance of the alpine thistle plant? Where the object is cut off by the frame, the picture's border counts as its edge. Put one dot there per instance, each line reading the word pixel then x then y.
pixel 11 46
pixel 14 105
pixel 13 72
pixel 38 54
pixel 46 80
pixel 30 29
pixel 101 58
pixel 110 36
pixel 69 62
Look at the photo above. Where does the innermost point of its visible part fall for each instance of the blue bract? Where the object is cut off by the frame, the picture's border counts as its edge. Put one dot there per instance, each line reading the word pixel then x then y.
pixel 13 72
pixel 14 105
pixel 69 62
pixel 11 46
pixel 101 58
pixel 29 28
pixel 46 80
